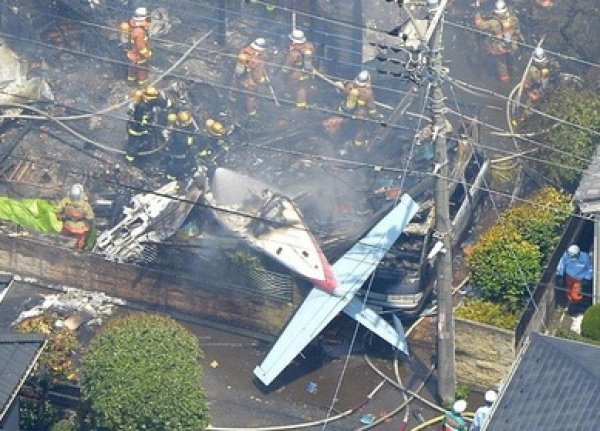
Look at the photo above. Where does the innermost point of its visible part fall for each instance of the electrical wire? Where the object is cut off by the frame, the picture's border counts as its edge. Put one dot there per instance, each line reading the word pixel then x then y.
pixel 522 277
pixel 260 95
pixel 165 41
pixel 263 96
pixel 540 113
pixel 55 47
pixel 532 47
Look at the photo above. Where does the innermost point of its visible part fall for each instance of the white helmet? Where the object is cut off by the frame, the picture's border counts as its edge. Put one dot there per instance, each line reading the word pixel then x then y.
pixel 76 192
pixel 459 406
pixel 259 44
pixel 297 36
pixel 141 12
pixel 539 55
pixel 573 250
pixel 501 8
pixel 491 396
pixel 363 78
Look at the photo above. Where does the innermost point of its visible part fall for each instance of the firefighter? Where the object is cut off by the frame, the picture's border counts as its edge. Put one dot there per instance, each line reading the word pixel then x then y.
pixel 540 76
pixel 138 130
pixel 453 419
pixel 576 267
pixel 76 214
pixel 214 142
pixel 250 74
pixel 298 66
pixel 138 49
pixel 147 115
pixel 359 102
pixel 181 138
pixel 505 30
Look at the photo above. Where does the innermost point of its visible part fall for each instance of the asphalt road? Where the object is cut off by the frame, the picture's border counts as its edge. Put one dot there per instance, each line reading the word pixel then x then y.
pixel 326 382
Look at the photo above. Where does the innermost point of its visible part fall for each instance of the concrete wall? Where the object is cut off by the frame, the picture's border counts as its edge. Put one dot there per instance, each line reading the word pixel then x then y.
pixel 40 257
pixel 484 353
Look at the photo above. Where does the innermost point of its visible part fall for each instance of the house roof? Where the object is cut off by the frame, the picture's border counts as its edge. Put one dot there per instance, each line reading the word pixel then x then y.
pixel 554 385
pixel 588 192
pixel 18 354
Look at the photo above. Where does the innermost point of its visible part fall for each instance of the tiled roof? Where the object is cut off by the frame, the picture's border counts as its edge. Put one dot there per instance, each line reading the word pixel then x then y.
pixel 555 385
pixel 588 192
pixel 17 354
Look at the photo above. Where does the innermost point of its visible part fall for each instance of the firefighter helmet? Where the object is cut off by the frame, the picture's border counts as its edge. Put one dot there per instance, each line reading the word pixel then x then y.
pixel 297 36
pixel 76 192
pixel 137 95
pixel 141 12
pixel 214 127
pixel 259 44
pixel 501 8
pixel 491 396
pixel 573 250
pixel 172 118
pixel 184 117
pixel 459 406
pixel 539 55
pixel 151 92
pixel 363 78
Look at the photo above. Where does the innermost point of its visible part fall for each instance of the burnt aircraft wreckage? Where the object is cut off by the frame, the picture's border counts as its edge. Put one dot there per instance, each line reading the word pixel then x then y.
pixel 270 223
pixel 16 88
pixel 266 219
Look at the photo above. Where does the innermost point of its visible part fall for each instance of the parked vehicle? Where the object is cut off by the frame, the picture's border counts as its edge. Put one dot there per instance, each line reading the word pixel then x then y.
pixel 405 278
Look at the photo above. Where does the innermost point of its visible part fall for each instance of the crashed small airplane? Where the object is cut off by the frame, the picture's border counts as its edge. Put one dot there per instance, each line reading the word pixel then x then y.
pixel 151 218
pixel 319 308
pixel 15 87
pixel 270 223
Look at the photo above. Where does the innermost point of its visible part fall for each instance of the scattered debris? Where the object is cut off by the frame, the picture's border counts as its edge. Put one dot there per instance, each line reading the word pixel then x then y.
pixel 15 87
pixel 311 387
pixel 76 306
pixel 367 419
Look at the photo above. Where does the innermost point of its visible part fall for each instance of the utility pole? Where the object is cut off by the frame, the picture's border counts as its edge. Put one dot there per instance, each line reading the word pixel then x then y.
pixel 443 228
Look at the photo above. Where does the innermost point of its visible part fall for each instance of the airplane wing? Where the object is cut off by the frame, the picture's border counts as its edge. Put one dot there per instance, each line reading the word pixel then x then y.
pixel 319 307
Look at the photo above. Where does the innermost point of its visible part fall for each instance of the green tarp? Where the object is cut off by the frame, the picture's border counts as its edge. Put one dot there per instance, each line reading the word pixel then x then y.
pixel 35 214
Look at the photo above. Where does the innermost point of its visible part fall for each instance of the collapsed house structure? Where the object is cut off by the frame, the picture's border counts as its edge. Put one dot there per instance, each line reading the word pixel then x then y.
pixel 188 253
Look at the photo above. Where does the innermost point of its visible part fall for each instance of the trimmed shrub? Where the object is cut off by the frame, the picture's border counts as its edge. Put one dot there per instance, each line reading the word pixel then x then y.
pixel 488 312
pixel 541 220
pixel 142 372
pixel 503 264
pixel 590 325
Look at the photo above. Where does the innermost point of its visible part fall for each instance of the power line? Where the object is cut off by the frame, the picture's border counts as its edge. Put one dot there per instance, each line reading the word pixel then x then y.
pixel 555 53
pixel 267 97
pixel 542 114
pixel 260 95
pixel 226 87
pixel 522 277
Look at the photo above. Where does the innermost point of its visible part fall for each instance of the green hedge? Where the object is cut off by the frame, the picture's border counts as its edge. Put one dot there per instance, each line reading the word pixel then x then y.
pixel 590 325
pixel 482 311
pixel 503 266
pixel 142 372
pixel 541 219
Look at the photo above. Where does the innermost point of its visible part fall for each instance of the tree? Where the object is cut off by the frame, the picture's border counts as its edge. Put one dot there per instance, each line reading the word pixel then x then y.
pixel 142 372
pixel 569 148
